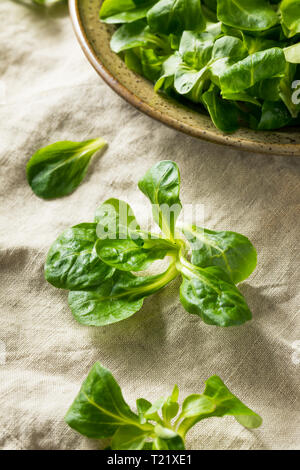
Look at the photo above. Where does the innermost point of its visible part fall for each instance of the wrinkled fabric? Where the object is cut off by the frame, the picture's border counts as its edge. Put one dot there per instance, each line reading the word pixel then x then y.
pixel 49 92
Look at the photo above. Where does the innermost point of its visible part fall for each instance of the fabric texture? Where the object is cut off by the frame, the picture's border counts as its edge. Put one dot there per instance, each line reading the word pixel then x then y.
pixel 49 92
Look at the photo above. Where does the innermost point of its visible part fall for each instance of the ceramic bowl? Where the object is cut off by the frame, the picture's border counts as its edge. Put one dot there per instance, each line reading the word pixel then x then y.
pixel 94 38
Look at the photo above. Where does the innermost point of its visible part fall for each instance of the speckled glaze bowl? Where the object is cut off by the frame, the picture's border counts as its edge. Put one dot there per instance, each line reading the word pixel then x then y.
pixel 94 38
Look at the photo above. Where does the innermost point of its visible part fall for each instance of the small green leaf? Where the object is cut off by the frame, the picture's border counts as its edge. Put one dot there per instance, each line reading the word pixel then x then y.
pixel 142 406
pixel 274 116
pixel 72 261
pixel 228 250
pixel 100 409
pixel 216 401
pixel 124 11
pixel 292 53
pixel 129 438
pixel 195 405
pixel 56 170
pixel 126 255
pixel 161 184
pixel 248 15
pixel 210 294
pixel 136 34
pixel 290 17
pixel 117 298
pixel 254 68
pixel 175 16
pixel 152 412
pixel 170 407
pixel 167 439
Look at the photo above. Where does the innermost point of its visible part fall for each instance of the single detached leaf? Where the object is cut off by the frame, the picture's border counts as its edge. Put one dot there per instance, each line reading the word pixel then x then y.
pixel 248 15
pixel 124 11
pixel 230 251
pixel 126 255
pixel 100 409
pixel 175 16
pixel 216 401
pixel 209 293
pixel 161 184
pixel 72 261
pixel 117 298
pixel 56 170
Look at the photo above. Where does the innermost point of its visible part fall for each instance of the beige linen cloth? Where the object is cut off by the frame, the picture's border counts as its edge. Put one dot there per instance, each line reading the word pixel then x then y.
pixel 49 92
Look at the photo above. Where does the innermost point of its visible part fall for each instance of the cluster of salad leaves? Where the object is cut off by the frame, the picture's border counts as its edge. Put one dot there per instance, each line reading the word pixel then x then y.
pixel 99 411
pixel 100 262
pixel 236 59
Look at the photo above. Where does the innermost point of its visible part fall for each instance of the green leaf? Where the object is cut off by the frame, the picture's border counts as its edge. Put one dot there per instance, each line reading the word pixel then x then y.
pixel 117 298
pixel 124 11
pixel 72 261
pixel 167 439
pixel 152 63
pixel 196 48
pixel 248 15
pixel 129 438
pixel 126 255
pixel 170 407
pixel 152 412
pixel 292 53
pixel 100 409
pixel 209 293
pixel 274 116
pixel 169 68
pixel 142 405
pixel 161 184
pixel 287 89
pixel 56 170
pixel 187 79
pixel 175 16
pixel 216 401
pixel 230 251
pixel 254 68
pixel 224 114
pixel 195 405
pixel 133 35
pixel 290 17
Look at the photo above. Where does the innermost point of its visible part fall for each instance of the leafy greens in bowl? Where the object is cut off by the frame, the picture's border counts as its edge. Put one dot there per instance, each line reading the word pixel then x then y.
pixel 238 60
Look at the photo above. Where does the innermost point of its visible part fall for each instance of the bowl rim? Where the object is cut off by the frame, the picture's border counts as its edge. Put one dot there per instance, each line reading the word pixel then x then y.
pixel 222 139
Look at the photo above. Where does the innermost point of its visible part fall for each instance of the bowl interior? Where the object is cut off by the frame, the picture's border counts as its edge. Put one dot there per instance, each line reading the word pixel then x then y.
pixel 94 38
